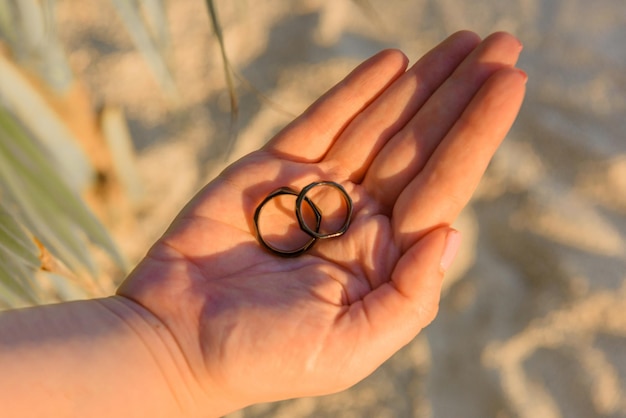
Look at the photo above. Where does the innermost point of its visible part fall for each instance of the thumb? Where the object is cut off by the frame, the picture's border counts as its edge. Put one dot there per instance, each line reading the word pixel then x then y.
pixel 410 301
pixel 419 273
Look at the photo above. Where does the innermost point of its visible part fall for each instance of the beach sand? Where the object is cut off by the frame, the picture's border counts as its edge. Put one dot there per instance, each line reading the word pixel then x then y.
pixel 533 318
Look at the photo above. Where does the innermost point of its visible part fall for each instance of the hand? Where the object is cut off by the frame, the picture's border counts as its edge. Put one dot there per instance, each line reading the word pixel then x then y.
pixel 409 146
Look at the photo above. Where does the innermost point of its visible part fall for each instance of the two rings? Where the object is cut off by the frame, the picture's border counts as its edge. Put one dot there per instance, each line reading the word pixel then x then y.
pixel 313 232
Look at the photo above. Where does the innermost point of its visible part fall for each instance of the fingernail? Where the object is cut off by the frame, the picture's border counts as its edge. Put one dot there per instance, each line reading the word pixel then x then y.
pixel 453 242
pixel 523 74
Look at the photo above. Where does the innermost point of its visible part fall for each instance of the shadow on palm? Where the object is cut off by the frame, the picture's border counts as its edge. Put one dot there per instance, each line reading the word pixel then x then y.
pixel 262 327
pixel 211 268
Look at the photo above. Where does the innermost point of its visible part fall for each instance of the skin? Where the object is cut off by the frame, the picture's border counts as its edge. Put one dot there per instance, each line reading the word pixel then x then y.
pixel 238 325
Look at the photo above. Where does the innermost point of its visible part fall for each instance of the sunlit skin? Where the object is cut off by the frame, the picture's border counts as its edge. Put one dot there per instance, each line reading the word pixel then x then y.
pixel 409 146
pixel 229 324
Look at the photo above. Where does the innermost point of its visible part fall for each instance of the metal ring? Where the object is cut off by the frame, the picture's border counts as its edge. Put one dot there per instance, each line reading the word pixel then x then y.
pixel 297 251
pixel 316 233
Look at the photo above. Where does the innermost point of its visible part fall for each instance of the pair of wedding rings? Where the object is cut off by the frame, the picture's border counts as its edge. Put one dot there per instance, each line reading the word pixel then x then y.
pixel 314 233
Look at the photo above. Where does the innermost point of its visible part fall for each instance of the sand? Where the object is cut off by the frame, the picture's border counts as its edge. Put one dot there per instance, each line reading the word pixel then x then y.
pixel 533 318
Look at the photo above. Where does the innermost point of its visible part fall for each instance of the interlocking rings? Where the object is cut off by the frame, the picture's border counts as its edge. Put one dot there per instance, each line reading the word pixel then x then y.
pixel 297 251
pixel 315 233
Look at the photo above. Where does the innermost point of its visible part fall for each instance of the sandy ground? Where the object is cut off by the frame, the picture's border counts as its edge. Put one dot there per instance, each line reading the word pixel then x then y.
pixel 533 320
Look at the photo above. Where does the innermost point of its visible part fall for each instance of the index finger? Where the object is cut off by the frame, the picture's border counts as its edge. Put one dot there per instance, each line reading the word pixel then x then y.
pixel 453 171
pixel 308 137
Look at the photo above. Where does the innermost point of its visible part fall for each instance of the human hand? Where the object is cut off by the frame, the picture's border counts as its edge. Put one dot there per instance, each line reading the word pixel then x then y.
pixel 409 147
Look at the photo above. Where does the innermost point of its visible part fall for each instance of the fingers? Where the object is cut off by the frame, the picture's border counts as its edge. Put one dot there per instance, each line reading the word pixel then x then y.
pixel 370 130
pixel 398 310
pixel 309 137
pixel 405 155
pixel 449 178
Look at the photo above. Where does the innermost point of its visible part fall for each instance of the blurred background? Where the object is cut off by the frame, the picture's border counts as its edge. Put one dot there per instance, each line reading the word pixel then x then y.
pixel 126 105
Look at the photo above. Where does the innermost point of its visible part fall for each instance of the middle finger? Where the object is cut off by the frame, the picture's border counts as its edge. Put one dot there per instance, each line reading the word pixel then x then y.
pixel 404 156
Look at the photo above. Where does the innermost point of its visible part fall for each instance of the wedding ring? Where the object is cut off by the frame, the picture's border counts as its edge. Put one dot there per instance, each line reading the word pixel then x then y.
pixel 286 253
pixel 315 233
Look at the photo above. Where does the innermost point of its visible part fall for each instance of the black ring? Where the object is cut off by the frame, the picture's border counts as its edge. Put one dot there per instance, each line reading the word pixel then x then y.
pixel 308 244
pixel 305 227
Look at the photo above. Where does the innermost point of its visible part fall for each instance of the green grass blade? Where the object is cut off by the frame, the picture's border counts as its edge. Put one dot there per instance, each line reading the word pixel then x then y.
pixel 41 214
pixel 156 20
pixel 7 22
pixel 48 206
pixel 228 74
pixel 9 298
pixel 65 289
pixel 36 115
pixel 30 31
pixel 15 241
pixel 16 281
pixel 120 144
pixel 130 13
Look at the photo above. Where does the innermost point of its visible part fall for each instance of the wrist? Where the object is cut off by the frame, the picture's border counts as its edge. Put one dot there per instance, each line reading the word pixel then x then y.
pixel 195 395
pixel 101 357
pixel 164 371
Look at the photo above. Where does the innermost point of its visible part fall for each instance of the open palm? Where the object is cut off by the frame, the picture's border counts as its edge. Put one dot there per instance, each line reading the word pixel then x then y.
pixel 409 147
